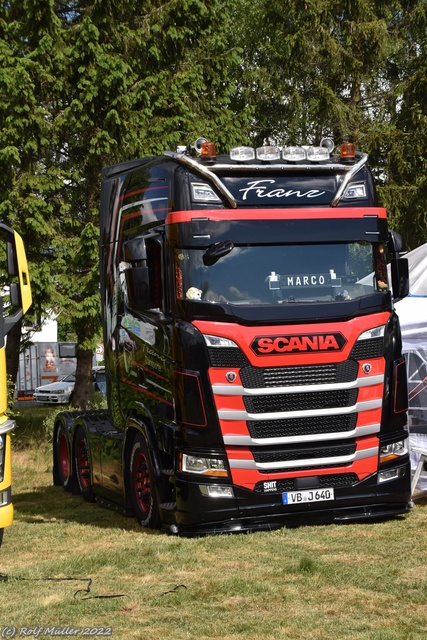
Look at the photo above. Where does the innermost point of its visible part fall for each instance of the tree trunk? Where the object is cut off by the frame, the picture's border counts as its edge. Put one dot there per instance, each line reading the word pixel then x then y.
pixel 83 389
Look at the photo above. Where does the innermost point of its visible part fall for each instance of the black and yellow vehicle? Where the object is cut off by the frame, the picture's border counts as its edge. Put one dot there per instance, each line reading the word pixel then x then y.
pixel 16 290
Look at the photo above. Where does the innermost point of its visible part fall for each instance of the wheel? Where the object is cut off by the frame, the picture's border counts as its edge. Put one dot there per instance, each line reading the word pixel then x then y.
pixel 62 457
pixel 1 536
pixel 83 465
pixel 143 486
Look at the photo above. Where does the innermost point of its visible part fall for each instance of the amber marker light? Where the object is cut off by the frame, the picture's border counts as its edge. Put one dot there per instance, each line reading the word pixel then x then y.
pixel 208 151
pixel 347 151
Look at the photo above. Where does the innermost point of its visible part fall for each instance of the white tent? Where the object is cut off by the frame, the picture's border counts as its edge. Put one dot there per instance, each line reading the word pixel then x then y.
pixel 412 312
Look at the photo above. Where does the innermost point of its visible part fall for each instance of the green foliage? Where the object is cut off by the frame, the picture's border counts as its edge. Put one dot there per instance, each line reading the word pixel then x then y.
pixel 88 83
pixel 351 70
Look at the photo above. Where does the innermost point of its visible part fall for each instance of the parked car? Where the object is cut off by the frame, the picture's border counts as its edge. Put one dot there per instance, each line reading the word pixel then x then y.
pixel 60 392
pixel 56 392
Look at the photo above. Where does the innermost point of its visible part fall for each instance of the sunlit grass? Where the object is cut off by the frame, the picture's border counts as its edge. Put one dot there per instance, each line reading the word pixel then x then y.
pixel 345 582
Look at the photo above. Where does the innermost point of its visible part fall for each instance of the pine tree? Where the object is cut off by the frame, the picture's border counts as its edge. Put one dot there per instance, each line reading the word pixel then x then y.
pixel 119 79
pixel 30 174
pixel 405 184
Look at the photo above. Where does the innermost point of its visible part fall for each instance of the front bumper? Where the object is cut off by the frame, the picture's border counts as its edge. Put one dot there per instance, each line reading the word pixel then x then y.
pixel 51 398
pixel 197 514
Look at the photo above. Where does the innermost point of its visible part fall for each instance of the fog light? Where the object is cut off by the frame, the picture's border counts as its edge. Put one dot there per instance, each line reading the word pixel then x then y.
pixel 391 474
pixel 4 498
pixel 216 491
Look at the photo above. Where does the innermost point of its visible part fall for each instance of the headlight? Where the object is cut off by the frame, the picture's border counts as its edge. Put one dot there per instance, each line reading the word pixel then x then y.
pixel 376 332
pixel 61 391
pixel 395 450
pixel 203 466
pixel 217 341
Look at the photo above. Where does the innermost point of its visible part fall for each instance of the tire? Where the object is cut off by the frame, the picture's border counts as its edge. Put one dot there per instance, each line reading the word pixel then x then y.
pixel 143 485
pixel 82 465
pixel 1 536
pixel 62 457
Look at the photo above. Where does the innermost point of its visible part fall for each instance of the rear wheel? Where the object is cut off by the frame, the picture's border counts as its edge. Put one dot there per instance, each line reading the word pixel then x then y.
pixel 83 465
pixel 142 485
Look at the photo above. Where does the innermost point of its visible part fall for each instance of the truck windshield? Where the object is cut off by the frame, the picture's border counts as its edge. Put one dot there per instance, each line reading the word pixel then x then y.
pixel 267 275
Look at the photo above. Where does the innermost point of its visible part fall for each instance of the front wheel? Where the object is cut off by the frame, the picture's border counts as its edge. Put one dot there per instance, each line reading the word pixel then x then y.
pixel 142 485
pixel 83 465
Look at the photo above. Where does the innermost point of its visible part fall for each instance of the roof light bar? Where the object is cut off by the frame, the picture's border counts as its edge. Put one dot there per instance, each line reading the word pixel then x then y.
pixel 268 152
pixel 242 154
pixel 294 154
pixel 317 154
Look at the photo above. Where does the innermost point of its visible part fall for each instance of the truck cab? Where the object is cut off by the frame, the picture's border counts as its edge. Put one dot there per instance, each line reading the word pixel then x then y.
pixel 253 356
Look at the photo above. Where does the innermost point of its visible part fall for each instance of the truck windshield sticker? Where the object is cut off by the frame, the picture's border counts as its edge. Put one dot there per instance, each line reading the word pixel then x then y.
pixel 277 281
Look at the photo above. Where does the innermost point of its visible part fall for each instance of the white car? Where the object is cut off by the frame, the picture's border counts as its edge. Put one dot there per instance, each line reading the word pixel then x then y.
pixel 56 392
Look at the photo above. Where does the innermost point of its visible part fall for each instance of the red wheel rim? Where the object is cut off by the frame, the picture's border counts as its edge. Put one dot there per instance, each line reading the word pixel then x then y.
pixel 63 456
pixel 141 482
pixel 83 466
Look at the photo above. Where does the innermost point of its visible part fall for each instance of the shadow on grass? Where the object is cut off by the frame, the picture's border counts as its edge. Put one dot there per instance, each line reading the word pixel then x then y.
pixel 45 505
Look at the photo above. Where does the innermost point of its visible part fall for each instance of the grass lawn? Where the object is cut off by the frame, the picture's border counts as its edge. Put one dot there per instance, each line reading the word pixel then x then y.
pixel 339 581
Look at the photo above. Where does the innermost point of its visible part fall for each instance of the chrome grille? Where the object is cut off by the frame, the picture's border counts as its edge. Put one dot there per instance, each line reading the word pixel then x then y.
pixel 293 453
pixel 301 426
pixel 300 401
pixel 257 378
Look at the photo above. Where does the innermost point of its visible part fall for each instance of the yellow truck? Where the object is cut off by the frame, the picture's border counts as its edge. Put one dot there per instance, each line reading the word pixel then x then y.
pixel 15 299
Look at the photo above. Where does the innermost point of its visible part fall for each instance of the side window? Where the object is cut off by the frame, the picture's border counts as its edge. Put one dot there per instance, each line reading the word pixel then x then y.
pixel 141 271
pixel 154 263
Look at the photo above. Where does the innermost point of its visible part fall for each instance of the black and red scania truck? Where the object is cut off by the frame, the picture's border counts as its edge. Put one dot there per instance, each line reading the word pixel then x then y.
pixel 253 356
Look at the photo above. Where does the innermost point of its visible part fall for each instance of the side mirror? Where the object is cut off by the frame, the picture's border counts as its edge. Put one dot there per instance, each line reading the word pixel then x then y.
pixel 396 244
pixel 399 266
pixel 400 278
pixel 136 274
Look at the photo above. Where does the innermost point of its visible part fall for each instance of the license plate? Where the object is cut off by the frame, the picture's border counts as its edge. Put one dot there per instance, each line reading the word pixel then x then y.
pixel 310 495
